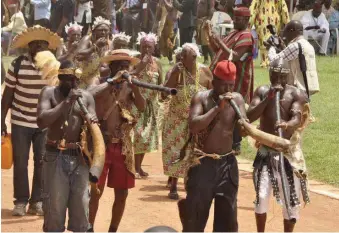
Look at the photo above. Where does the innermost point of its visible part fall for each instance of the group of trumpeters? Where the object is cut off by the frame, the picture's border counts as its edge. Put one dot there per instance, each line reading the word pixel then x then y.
pixel 100 106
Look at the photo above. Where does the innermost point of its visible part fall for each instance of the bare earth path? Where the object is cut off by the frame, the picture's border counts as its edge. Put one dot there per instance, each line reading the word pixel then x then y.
pixel 148 206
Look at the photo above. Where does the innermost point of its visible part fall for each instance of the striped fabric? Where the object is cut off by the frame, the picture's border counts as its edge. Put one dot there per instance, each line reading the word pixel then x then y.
pixel 244 82
pixel 28 85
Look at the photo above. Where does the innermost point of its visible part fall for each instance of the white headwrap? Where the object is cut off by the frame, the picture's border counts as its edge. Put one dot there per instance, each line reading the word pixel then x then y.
pixel 74 26
pixel 149 36
pixel 177 50
pixel 121 36
pixel 100 20
pixel 193 47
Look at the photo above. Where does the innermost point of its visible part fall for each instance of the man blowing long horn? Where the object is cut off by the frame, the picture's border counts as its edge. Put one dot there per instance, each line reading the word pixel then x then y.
pixel 294 117
pixel 211 121
pixel 65 173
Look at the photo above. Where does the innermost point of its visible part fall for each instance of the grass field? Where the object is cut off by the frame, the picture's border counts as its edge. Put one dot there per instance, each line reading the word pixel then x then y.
pixel 320 143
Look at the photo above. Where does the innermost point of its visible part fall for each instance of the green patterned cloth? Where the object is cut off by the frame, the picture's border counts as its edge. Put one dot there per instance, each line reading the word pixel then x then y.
pixel 146 138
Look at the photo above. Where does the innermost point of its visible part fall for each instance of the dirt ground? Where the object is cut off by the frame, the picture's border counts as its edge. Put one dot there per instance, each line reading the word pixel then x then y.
pixel 148 206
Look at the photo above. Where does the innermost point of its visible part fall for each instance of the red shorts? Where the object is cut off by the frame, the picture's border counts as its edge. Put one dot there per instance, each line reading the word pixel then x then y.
pixel 115 169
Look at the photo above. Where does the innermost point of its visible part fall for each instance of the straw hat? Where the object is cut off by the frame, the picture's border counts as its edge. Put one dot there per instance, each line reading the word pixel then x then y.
pixel 120 55
pixel 36 33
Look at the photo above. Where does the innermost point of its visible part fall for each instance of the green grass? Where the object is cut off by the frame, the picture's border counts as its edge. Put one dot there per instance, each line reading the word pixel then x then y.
pixel 320 142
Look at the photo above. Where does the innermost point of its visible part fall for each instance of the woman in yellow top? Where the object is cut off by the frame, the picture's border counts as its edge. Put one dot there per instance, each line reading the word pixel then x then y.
pixel 263 13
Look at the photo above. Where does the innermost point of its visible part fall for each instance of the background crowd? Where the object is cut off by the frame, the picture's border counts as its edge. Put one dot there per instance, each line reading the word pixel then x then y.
pixel 173 21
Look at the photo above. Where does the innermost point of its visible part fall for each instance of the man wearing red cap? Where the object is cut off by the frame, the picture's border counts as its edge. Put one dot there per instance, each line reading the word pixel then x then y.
pixel 240 44
pixel 215 176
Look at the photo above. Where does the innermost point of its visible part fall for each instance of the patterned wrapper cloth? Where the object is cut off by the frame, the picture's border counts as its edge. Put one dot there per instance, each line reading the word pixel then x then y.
pixel 175 132
pixel 146 138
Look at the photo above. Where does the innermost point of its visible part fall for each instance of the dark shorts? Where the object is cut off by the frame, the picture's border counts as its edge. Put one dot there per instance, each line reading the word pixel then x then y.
pixel 212 179
pixel 115 170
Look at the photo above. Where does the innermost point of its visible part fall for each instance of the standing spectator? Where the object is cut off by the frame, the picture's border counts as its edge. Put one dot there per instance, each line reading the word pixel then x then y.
pixel 114 18
pixel 187 20
pixel 42 12
pixel 298 51
pixel 83 15
pixel 62 14
pixel 264 13
pixel 316 27
pixel 15 26
pixel 102 8
pixel 21 95
pixel 28 11
pixel 131 22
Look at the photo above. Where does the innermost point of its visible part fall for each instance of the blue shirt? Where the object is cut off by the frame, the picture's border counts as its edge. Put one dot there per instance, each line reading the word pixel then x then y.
pixel 334 20
pixel 42 9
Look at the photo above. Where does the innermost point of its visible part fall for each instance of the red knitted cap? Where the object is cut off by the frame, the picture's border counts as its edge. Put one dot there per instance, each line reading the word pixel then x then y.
pixel 242 11
pixel 225 70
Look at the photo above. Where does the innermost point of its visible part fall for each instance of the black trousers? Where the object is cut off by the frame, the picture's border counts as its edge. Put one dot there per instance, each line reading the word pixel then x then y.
pixel 212 179
pixel 186 35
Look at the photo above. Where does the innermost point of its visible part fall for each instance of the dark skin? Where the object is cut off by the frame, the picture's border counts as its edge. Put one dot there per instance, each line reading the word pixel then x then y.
pixel 55 105
pixel 103 93
pixel 291 31
pixel 263 107
pixel 210 105
pixel 187 60
pixel 205 8
pixel 147 48
pixel 327 3
pixel 68 53
pixel 240 24
pixel 98 41
pixel 8 94
pixel 316 13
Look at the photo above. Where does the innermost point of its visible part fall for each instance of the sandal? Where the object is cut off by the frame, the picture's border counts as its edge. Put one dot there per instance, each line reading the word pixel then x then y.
pixel 173 195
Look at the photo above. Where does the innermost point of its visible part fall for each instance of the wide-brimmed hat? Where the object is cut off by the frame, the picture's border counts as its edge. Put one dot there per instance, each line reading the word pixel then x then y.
pixel 120 55
pixel 36 33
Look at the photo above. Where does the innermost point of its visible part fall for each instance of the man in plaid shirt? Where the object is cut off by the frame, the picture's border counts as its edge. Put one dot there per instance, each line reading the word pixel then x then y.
pixel 293 36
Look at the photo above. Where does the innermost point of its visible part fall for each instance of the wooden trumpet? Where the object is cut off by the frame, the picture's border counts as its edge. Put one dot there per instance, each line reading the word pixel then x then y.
pixel 167 90
pixel 278 143
pixel 97 161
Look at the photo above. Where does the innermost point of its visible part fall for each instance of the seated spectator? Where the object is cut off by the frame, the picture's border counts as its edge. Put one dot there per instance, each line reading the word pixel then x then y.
pixel 16 25
pixel 328 10
pixel 334 26
pixel 316 27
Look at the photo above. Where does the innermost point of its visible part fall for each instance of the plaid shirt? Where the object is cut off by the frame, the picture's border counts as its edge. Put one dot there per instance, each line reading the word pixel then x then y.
pixel 290 53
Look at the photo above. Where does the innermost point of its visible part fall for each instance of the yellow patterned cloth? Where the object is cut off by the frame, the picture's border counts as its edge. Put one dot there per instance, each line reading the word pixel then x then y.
pixel 263 13
pixel 202 35
pixel 146 138
pixel 175 133
pixel 127 138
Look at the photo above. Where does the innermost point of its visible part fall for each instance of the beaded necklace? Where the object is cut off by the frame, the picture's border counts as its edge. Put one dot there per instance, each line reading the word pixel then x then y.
pixel 197 77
